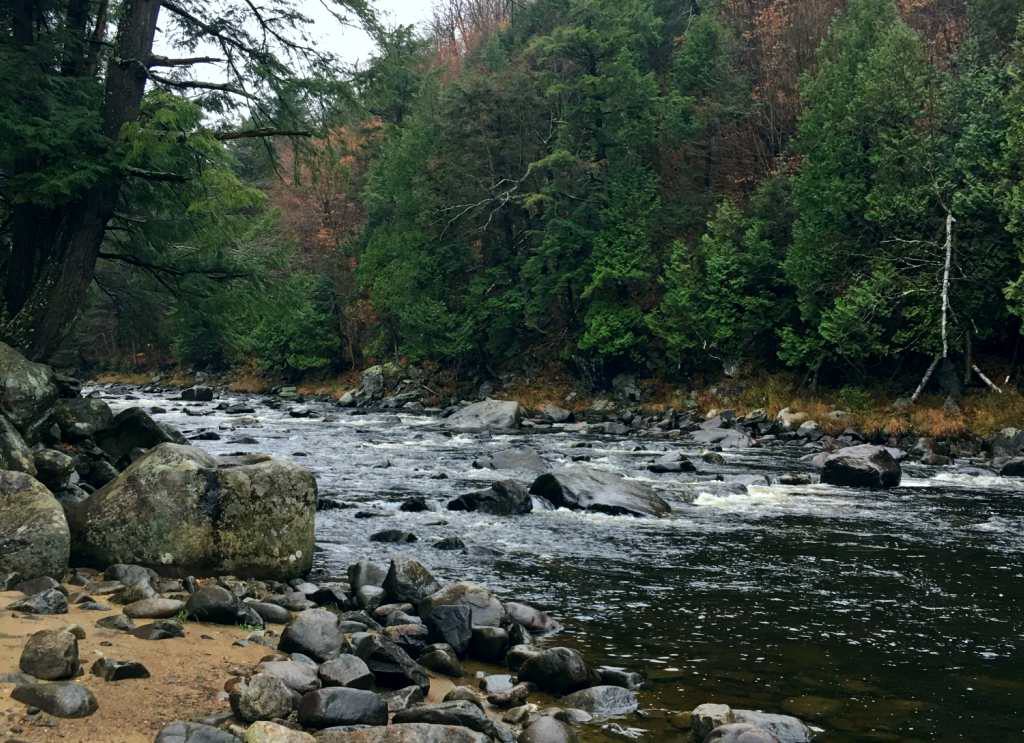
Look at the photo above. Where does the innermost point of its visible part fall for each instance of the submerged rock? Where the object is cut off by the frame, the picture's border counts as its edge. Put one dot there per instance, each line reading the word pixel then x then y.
pixel 580 488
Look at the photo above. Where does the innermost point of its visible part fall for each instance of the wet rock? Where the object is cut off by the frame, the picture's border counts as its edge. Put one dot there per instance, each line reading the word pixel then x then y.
pixel 199 393
pixel 457 714
pixel 262 697
pixel 408 580
pixel 707 717
pixel 863 466
pixel 176 505
pixel 393 536
pixel 132 429
pixel 513 697
pixel 518 655
pixel 441 658
pixel 1013 468
pixel 370 597
pixel 28 391
pixel 521 459
pixel 785 728
pixel 193 732
pixel 415 504
pixel 416 732
pixel 613 676
pixel 485 609
pixel 726 438
pixel 795 478
pixel 581 488
pixel 314 632
pixel 449 544
pixel 342 706
pixel 558 671
pixel 504 498
pixel 603 702
pixel 489 644
pixel 34 534
pixel 1009 442
pixel 399 699
pixel 346 670
pixel 15 454
pixel 60 699
pixel 47 602
pixel 159 630
pixel 391 666
pixel 119 670
pixel 155 608
pixel 486 415
pixel 672 462
pixel 740 732
pixel 50 655
pixel 270 732
pixel 536 621
pixel 556 414
pixel 450 624
pixel 299 677
pixel 548 730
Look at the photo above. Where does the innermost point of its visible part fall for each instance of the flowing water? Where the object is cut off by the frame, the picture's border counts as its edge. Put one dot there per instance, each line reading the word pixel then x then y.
pixel 894 616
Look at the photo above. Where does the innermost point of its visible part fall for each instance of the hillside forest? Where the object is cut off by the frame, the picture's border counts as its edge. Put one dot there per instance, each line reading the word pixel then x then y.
pixel 596 186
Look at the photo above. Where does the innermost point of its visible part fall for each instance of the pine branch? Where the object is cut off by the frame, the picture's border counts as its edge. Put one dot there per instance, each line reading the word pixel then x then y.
pixel 263 132
pixel 158 61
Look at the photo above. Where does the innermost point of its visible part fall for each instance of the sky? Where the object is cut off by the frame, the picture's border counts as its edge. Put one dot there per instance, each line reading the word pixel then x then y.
pixel 353 45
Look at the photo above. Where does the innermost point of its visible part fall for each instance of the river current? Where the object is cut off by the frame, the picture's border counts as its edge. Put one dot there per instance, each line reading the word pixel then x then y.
pixel 893 616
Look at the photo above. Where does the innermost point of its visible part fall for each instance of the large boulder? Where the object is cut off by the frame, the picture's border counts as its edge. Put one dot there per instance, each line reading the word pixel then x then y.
pixel 133 429
pixel 504 498
pixel 50 655
pixel 27 389
pixel 81 417
pixel 485 416
pixel 863 466
pixel 315 632
pixel 178 508
pixel 558 671
pixel 339 705
pixel 484 609
pixel 15 454
pixel 583 488
pixel 34 536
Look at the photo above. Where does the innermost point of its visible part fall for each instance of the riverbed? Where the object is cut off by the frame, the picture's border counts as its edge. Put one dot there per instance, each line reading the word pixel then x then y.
pixel 892 616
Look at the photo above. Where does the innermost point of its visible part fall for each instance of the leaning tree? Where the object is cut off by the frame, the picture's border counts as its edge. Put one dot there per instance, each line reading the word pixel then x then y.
pixel 73 77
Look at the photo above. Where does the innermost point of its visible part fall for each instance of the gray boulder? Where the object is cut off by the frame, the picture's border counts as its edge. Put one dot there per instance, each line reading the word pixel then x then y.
pixel 408 581
pixel 346 670
pixel 548 730
pixel 582 488
pixel 535 620
pixel 53 468
pixel 177 506
pixel 521 459
pixel 503 498
pixel 558 671
pixel 60 699
pixel 441 658
pixel 1008 443
pixel 81 417
pixel 299 677
pixel 314 632
pixel 672 462
pixel 50 655
pixel 15 454
pixel 602 702
pixel 727 438
pixel 34 535
pixel 450 624
pixel 131 429
pixel 863 466
pixel 28 391
pixel 1013 468
pixel 485 610
pixel 193 732
pixel 785 728
pixel 485 416
pixel 391 666
pixel 262 697
pixel 740 732
pixel 326 708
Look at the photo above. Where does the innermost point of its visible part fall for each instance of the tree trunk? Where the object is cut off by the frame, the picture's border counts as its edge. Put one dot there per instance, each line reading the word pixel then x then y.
pixel 54 251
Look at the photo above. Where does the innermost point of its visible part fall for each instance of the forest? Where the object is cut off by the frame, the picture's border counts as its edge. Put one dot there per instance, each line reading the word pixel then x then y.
pixel 596 186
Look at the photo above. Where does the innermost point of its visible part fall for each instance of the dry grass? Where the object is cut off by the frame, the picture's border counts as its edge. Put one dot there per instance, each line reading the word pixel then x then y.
pixel 123 377
pixel 332 387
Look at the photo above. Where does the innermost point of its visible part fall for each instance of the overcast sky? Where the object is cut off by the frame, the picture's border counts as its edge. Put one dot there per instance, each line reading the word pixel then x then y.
pixel 352 45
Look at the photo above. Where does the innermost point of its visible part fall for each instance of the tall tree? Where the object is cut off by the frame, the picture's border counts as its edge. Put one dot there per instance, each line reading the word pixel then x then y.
pixel 73 77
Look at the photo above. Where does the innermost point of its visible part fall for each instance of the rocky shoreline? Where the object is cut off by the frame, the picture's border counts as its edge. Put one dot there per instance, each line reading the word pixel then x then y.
pixel 359 657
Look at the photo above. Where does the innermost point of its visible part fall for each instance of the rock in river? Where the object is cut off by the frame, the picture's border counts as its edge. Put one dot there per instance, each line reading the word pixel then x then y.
pixel 503 498
pixel 177 506
pixel 583 488
pixel 413 732
pixel 863 466
pixel 486 415
pixel 548 730
pixel 602 702
pixel 558 671
pixel 34 536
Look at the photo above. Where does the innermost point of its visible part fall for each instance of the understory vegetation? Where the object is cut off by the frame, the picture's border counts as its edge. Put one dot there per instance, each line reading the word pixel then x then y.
pixel 828 191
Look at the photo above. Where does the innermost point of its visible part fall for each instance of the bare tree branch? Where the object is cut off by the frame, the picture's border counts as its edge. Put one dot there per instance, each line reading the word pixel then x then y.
pixel 158 61
pixel 263 132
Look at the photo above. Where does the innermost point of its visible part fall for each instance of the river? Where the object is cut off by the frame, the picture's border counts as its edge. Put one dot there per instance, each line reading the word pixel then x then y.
pixel 893 616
